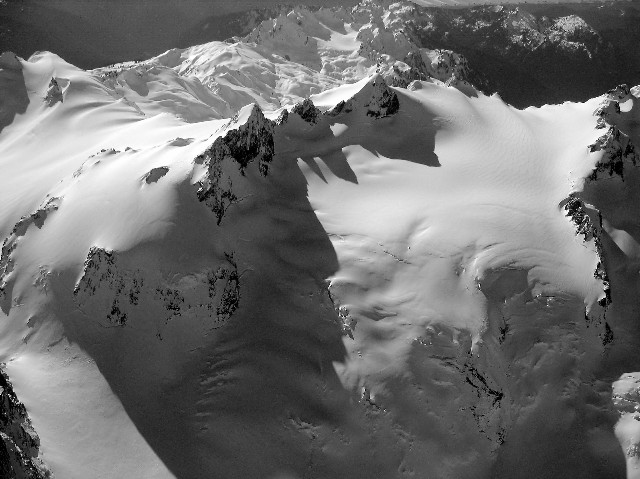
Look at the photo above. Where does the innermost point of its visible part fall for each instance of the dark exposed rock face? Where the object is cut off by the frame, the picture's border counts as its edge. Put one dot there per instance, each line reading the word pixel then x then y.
pixel 618 154
pixel 54 93
pixel 11 243
pixel 115 294
pixel 100 273
pixel 307 111
pixel 251 142
pixel 416 69
pixel 155 174
pixel 384 101
pixel 377 100
pixel 229 297
pixel 19 443
pixel 341 107
pixel 283 117
pixel 618 150
pixel 618 157
pixel 579 214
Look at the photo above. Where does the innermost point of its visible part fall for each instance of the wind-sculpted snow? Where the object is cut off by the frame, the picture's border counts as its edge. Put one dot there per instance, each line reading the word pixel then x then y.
pixel 458 244
pixel 152 89
pixel 373 281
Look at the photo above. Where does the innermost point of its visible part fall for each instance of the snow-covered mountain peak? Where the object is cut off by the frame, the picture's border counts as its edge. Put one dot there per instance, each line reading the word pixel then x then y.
pixel 374 98
pixel 313 247
pixel 284 60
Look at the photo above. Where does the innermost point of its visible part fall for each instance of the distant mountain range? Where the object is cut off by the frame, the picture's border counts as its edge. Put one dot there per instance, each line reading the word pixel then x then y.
pixel 530 54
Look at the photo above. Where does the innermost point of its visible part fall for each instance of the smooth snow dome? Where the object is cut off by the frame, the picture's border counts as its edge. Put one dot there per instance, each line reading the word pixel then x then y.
pixel 198 279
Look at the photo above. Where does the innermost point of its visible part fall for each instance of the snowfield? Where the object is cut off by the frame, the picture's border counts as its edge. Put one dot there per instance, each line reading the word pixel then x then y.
pixel 203 275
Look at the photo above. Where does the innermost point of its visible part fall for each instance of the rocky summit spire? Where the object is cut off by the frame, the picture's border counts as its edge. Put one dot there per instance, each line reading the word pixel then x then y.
pixel 249 140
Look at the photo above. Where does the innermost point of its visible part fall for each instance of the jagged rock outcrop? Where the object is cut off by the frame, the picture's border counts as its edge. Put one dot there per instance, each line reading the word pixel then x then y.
pixel 307 111
pixel 11 243
pixel 588 223
pixel 377 99
pixel 115 294
pixel 618 151
pixel 249 139
pixel 582 217
pixel 99 273
pixel 283 117
pixel 19 442
pixel 384 101
pixel 449 66
pixel 153 175
pixel 54 93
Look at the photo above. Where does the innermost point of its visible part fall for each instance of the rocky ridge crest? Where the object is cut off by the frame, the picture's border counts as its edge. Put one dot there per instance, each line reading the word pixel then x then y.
pixel 248 140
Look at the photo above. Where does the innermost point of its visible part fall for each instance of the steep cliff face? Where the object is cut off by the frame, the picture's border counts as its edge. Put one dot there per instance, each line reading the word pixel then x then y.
pixel 588 223
pixel 306 110
pixel 10 243
pixel 618 150
pixel 249 140
pixel 19 442
pixel 604 208
pixel 115 295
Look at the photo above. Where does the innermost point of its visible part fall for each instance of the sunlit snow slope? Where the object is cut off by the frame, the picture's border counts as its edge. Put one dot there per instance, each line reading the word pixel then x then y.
pixel 374 282
pixel 286 59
